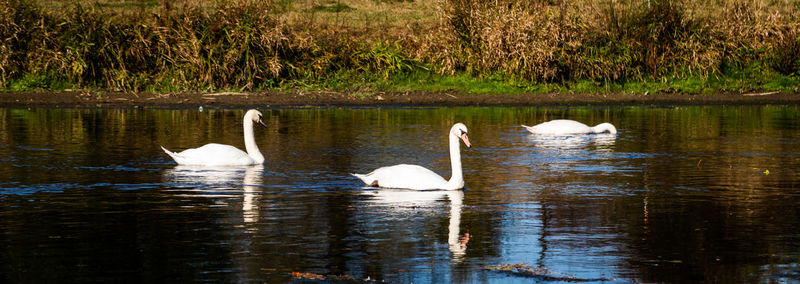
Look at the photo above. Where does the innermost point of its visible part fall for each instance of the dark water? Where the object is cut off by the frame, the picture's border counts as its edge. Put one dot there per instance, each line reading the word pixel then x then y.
pixel 705 193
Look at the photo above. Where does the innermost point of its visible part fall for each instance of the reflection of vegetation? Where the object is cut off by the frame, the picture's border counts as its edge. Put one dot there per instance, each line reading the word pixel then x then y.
pixel 663 209
pixel 694 133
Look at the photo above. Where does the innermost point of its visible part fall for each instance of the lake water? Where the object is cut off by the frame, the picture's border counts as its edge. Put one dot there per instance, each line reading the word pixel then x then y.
pixel 680 194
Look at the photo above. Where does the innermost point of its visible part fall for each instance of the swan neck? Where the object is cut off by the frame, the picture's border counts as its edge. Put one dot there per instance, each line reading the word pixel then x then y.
pixel 457 179
pixel 250 141
pixel 603 127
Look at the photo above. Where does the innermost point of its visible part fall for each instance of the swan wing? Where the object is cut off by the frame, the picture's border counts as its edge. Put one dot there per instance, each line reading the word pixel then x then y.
pixel 560 127
pixel 404 176
pixel 212 155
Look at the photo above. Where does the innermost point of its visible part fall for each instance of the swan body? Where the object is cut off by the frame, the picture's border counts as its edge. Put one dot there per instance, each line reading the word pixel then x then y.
pixel 404 176
pixel 418 177
pixel 565 126
pixel 214 154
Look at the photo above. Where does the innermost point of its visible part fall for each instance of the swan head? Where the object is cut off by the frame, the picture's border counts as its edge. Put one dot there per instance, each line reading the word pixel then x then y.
pixel 603 127
pixel 255 116
pixel 460 130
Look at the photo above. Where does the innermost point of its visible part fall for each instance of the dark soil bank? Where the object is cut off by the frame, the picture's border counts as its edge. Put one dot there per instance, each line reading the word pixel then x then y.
pixel 264 99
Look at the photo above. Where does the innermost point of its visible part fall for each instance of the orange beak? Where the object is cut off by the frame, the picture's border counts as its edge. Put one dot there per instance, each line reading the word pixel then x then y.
pixel 466 139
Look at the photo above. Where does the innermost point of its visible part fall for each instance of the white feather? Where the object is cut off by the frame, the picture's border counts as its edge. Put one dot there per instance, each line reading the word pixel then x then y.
pixel 566 127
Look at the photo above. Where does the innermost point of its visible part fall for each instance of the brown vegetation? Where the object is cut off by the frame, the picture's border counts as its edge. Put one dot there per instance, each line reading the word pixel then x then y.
pixel 252 45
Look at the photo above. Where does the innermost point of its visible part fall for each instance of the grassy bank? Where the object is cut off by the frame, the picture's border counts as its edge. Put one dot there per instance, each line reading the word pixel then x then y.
pixel 366 46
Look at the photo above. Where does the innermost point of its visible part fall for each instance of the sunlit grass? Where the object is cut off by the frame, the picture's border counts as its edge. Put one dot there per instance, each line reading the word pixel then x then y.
pixel 31 82
pixel 463 83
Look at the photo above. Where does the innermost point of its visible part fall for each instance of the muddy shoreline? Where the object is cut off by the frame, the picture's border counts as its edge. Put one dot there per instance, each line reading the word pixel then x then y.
pixel 79 99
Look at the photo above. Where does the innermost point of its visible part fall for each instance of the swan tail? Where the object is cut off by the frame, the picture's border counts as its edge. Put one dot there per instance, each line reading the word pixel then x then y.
pixel 366 178
pixel 173 155
pixel 529 128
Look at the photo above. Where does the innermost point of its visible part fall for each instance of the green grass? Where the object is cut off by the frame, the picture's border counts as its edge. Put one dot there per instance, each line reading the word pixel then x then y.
pixel 463 83
pixel 363 84
pixel 32 82
pixel 420 80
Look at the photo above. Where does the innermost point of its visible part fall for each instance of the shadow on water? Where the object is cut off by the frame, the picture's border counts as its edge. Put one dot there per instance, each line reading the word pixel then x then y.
pixel 705 193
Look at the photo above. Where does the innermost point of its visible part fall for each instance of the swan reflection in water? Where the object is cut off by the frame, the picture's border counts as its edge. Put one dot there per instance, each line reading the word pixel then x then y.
pixel 203 181
pixel 570 153
pixel 604 142
pixel 252 178
pixel 404 198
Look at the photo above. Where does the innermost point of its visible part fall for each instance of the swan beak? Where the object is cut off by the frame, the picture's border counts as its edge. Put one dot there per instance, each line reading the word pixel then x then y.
pixel 262 123
pixel 466 140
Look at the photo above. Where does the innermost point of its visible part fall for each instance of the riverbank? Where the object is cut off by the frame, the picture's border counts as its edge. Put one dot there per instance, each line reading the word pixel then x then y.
pixel 368 47
pixel 300 99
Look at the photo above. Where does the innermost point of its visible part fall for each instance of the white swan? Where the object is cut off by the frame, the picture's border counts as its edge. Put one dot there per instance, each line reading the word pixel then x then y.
pixel 420 178
pixel 225 155
pixel 565 126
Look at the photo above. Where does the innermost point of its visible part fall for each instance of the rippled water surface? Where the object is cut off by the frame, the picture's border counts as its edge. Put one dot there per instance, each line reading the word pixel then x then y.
pixel 687 194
